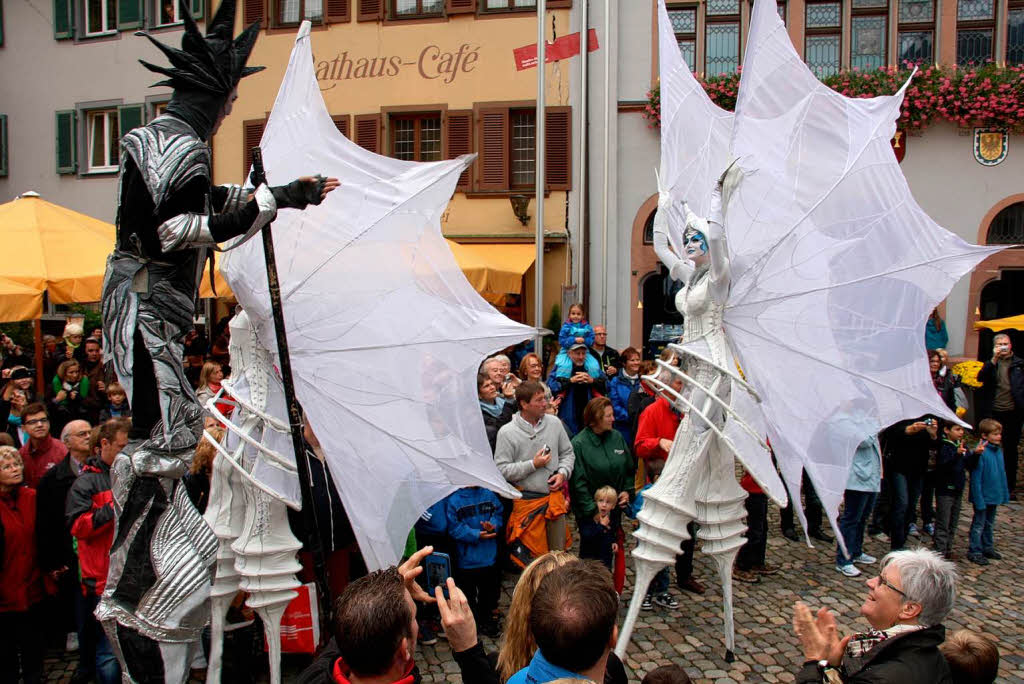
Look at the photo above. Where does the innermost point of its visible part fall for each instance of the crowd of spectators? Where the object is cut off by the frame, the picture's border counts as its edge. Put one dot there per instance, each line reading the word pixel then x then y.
pixel 581 443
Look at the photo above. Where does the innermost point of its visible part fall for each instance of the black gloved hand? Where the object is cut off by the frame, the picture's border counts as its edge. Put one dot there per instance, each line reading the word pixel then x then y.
pixel 299 193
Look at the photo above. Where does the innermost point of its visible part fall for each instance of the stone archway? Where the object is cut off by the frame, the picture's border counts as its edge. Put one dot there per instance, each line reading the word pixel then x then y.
pixel 1000 221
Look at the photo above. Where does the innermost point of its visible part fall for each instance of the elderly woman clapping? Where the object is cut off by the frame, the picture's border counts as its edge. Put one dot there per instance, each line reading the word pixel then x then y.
pixel 905 605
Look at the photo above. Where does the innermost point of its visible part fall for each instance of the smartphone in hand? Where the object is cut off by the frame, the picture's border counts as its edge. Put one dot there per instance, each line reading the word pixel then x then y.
pixel 437 568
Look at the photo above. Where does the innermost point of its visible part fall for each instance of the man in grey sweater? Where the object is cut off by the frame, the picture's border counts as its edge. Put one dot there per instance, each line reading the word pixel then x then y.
pixel 534 454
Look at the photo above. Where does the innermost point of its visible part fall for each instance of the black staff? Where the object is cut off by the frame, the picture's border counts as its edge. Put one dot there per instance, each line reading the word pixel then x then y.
pixel 259 177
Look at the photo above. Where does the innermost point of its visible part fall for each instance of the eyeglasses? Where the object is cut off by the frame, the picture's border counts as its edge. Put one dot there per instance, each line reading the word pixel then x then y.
pixel 83 433
pixel 37 421
pixel 883 581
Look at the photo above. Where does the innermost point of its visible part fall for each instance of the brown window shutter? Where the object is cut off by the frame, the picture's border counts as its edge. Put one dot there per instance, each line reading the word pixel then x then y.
pixel 252 133
pixel 493 144
pixel 339 11
pixel 371 10
pixel 254 10
pixel 342 122
pixel 459 140
pixel 367 128
pixel 557 4
pixel 558 148
pixel 460 6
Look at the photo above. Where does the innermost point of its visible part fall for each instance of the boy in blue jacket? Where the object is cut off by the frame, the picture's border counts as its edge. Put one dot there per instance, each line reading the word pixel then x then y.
pixel 474 519
pixel 988 490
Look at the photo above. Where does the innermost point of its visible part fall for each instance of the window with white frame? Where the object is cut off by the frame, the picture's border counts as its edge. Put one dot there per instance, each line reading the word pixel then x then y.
pixel 168 12
pixel 100 17
pixel 293 12
pixel 721 37
pixel 509 4
pixel 403 9
pixel 523 171
pixel 102 138
pixel 915 40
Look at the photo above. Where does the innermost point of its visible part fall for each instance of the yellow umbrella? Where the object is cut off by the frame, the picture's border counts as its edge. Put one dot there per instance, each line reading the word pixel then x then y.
pixel 497 269
pixel 223 291
pixel 997 324
pixel 19 302
pixel 52 248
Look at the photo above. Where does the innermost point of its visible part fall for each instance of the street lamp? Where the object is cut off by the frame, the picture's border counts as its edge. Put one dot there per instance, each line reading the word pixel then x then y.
pixel 520 204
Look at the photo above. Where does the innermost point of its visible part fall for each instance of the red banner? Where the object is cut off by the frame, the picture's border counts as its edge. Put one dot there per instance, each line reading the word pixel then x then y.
pixel 561 48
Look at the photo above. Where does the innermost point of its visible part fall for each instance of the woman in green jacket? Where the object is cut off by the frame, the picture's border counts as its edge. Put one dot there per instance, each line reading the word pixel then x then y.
pixel 602 459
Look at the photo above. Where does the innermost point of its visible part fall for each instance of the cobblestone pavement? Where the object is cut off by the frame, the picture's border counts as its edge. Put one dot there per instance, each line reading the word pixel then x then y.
pixel 766 650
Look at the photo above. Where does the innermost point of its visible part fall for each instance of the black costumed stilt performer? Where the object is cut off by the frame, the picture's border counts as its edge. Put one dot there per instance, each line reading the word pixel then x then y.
pixel 161 561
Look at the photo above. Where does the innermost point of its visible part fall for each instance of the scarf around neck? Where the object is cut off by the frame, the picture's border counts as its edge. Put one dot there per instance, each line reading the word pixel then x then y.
pixel 494 409
pixel 863 642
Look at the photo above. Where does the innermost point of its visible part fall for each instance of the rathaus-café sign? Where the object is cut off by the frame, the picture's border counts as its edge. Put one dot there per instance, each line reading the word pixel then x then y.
pixel 431 63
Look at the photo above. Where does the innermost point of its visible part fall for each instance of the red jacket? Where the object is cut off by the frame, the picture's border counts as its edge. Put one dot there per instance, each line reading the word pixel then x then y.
pixel 90 517
pixel 38 461
pixel 21 583
pixel 657 422
pixel 749 484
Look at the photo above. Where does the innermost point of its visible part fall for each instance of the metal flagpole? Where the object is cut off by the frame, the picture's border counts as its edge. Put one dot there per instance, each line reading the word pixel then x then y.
pixel 540 174
pixel 294 417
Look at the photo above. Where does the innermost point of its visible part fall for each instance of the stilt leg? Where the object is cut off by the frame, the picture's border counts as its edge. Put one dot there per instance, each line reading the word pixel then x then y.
pixel 645 572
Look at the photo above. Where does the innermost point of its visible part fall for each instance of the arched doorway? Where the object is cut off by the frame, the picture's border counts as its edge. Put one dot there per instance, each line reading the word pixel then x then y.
pixel 659 309
pixel 997 282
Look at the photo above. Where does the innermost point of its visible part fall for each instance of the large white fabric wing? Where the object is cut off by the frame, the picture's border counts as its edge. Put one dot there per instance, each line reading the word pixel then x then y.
pixel 385 333
pixel 835 266
pixel 695 133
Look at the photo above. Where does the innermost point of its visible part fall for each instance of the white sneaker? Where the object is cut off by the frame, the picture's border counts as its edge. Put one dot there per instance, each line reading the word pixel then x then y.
pixel 71 644
pixel 850 570
pixel 865 559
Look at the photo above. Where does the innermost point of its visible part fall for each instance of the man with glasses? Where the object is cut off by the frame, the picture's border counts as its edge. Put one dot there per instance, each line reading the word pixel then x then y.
pixel 905 606
pixel 609 359
pixel 42 451
pixel 57 557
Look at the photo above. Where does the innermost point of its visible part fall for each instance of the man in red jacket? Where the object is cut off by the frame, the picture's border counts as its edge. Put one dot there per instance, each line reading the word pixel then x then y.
pixel 41 452
pixel 658 425
pixel 90 517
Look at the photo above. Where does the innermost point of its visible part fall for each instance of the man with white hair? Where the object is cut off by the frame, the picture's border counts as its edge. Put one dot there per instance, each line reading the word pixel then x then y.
pixel 1003 380
pixel 905 606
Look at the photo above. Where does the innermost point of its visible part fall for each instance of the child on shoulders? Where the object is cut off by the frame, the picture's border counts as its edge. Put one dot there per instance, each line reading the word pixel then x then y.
pixel 575 330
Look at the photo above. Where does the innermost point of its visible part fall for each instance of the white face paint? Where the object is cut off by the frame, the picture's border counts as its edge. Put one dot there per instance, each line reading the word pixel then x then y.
pixel 695 245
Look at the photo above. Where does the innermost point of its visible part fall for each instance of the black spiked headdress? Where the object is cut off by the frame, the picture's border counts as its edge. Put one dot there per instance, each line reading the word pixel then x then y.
pixel 212 64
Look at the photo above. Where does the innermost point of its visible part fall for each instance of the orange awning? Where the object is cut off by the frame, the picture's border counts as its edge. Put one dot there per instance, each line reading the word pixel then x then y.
pixel 19 302
pixel 997 324
pixel 49 247
pixel 496 267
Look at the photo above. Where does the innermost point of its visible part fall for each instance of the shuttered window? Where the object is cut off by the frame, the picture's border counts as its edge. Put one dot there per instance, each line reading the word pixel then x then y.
pixel 254 10
pixel 341 122
pixel 129 14
pixel 130 116
pixel 460 6
pixel 63 19
pixel 458 140
pixel 367 132
pixel 339 11
pixel 252 133
pixel 3 145
pixel 507 144
pixel 67 141
pixel 371 10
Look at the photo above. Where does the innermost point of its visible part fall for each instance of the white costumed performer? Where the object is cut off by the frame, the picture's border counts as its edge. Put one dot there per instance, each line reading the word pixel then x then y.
pixel 814 274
